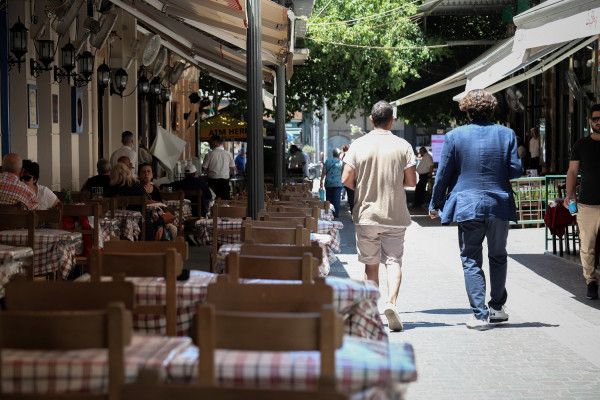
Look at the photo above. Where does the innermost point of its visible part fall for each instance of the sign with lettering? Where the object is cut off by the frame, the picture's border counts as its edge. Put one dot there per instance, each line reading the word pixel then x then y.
pixel 225 126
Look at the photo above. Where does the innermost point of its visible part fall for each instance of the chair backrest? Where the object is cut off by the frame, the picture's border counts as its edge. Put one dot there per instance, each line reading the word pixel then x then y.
pixel 85 210
pixel 298 236
pixel 76 196
pixel 7 208
pixel 150 387
pixel 110 329
pixel 303 268
pixel 195 196
pixel 108 205
pixel 271 327
pixel 51 217
pixel 248 224
pixel 22 295
pixel 141 201
pixel 307 222
pixel 314 212
pixel 114 245
pixel 223 212
pixel 277 250
pixel 167 264
pixel 22 219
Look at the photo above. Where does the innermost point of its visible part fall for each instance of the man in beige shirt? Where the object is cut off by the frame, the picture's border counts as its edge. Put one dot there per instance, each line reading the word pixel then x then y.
pixel 378 166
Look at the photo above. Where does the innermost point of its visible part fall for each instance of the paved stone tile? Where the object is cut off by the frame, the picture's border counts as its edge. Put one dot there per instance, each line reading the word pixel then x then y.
pixel 549 350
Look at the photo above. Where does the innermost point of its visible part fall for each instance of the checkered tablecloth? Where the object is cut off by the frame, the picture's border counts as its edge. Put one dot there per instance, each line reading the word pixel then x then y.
pixel 228 248
pixel 325 228
pixel 54 250
pixel 129 223
pixel 150 291
pixel 39 371
pixel 365 369
pixel 12 260
pixel 109 228
pixel 187 209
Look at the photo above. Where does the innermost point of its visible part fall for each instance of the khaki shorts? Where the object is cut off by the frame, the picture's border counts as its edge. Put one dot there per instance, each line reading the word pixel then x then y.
pixel 380 244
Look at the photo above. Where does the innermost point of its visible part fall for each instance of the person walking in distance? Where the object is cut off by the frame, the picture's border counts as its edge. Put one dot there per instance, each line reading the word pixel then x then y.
pixel 477 163
pixel 380 212
pixel 425 171
pixel 585 161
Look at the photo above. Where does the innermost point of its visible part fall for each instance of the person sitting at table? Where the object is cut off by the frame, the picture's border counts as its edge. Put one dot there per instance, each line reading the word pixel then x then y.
pixel 146 176
pixel 12 190
pixel 192 182
pixel 102 179
pixel 31 173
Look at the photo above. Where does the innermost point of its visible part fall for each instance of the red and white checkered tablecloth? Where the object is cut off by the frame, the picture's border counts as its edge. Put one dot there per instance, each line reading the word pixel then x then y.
pixel 12 260
pixel 54 250
pixel 187 209
pixel 150 291
pixel 228 248
pixel 109 228
pixel 41 371
pixel 129 223
pixel 331 228
pixel 365 368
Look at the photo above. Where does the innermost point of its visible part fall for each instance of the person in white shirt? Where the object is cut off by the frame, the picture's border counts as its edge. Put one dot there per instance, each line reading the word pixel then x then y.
pixel 425 171
pixel 218 164
pixel 534 149
pixel 46 197
pixel 125 150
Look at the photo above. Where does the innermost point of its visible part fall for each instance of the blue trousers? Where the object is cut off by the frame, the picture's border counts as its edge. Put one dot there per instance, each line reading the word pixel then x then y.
pixel 334 195
pixel 470 239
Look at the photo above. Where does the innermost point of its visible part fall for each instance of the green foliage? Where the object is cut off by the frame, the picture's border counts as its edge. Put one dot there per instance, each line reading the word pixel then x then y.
pixel 308 149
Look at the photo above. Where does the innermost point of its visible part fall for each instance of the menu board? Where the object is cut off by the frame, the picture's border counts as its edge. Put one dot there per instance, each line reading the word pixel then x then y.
pixel 437 142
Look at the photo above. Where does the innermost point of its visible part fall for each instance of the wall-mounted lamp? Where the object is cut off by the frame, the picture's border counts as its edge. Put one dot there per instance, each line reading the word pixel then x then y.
pixel 120 80
pixel 18 38
pixel 68 63
pixel 143 85
pixel 103 77
pixel 165 94
pixel 155 86
pixel 86 69
pixel 45 51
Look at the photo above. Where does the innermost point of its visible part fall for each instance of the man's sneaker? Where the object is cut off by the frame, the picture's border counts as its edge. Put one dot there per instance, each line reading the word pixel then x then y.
pixel 592 290
pixel 497 316
pixel 478 324
pixel 393 318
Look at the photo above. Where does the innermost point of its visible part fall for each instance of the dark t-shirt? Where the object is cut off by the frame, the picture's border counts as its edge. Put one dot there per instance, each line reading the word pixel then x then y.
pixel 97 181
pixel 587 152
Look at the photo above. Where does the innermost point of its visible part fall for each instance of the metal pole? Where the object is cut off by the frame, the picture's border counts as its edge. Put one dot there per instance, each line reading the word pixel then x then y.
pixel 280 127
pixel 4 80
pixel 256 196
pixel 325 132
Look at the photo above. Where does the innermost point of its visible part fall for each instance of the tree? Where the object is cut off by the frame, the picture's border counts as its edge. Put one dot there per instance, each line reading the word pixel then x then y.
pixel 360 52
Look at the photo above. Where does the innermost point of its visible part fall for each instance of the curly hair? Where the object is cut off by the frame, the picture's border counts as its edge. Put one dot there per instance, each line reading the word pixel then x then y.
pixel 479 103
pixel 120 174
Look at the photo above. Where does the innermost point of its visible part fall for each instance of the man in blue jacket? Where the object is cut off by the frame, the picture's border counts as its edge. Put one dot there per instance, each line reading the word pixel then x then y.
pixel 472 187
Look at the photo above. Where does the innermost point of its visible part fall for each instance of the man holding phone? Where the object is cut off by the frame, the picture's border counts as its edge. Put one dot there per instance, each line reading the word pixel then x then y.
pixel 585 161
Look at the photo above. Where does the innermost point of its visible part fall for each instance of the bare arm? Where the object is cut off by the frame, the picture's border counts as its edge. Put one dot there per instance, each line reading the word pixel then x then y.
pixel 348 177
pixel 410 177
pixel 571 181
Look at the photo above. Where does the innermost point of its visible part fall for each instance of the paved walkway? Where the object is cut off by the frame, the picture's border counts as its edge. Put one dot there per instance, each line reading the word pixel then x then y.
pixel 550 349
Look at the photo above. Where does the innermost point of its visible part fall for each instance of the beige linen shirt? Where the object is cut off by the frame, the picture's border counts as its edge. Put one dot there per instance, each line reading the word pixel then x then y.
pixel 379 160
pixel 218 163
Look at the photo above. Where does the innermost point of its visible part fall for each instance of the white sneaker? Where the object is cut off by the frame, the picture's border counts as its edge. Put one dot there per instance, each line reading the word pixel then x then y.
pixel 497 316
pixel 393 317
pixel 478 324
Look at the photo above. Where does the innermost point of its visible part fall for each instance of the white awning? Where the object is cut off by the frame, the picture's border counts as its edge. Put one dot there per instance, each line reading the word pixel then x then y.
pixel 556 21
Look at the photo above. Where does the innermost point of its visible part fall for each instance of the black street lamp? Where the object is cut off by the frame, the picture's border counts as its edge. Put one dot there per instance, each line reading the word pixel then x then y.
pixel 143 85
pixel 18 38
pixel 103 77
pixel 68 63
pixel 155 86
pixel 46 53
pixel 86 69
pixel 120 80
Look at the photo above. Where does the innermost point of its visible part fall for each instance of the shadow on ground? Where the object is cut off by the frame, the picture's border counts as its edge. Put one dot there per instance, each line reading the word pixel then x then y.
pixel 566 275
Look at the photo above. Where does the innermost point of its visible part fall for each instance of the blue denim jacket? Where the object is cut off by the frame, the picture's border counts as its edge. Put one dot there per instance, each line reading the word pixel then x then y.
pixel 473 178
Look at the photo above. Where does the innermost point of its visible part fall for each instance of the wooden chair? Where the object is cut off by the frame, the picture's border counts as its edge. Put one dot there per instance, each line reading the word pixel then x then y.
pixel 52 217
pixel 303 268
pixel 110 329
pixel 298 236
pixel 249 224
pixel 273 318
pixel 180 197
pixel 307 222
pixel 76 196
pixel 115 245
pixel 141 202
pixel 8 208
pixel 108 205
pixel 283 251
pixel 223 212
pixel 149 387
pixel 84 210
pixel 195 197
pixel 314 212
pixel 23 295
pixel 167 264
pixel 23 219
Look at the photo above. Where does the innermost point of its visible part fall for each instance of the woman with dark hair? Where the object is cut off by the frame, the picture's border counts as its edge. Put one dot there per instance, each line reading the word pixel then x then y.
pixel 332 176
pixel 146 176
pixel 46 197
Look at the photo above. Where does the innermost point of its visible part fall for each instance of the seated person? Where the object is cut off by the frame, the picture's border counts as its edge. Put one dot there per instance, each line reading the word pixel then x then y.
pixel 31 173
pixel 146 176
pixel 192 182
pixel 102 179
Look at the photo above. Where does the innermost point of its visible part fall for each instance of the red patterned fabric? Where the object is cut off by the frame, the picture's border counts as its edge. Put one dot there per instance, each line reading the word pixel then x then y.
pixel 14 191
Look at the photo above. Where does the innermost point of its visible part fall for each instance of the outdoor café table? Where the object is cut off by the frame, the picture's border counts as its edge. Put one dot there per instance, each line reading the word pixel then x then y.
pixel 54 250
pixel 12 260
pixel 59 371
pixel 187 209
pixel 129 223
pixel 365 368
pixel 356 302
pixel 109 227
